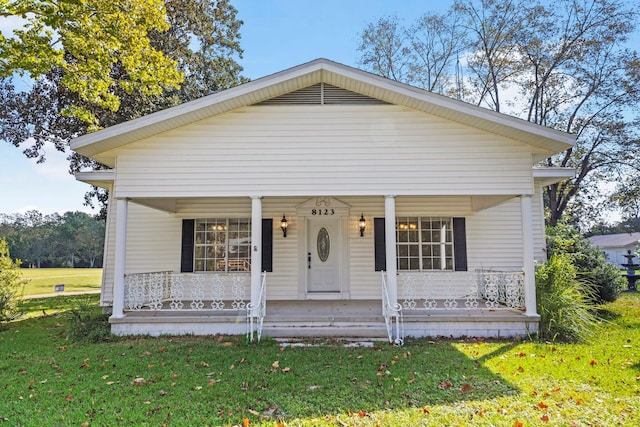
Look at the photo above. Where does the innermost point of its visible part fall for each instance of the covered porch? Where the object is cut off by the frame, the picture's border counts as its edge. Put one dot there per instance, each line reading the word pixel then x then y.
pixel 480 303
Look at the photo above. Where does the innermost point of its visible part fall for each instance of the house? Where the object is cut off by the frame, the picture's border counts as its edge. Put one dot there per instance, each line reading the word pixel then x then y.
pixel 616 246
pixel 323 201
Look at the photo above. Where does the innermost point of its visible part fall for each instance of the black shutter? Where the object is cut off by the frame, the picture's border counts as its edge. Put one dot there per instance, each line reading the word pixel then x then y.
pixel 267 245
pixel 186 257
pixel 460 244
pixel 379 244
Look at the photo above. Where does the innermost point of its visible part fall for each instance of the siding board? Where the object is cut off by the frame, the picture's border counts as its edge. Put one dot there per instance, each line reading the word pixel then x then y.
pixel 316 149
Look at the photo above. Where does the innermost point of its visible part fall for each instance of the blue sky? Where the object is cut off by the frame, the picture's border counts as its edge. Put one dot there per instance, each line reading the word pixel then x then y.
pixel 276 35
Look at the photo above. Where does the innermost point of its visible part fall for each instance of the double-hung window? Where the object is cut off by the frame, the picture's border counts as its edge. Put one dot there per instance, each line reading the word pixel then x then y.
pixel 424 243
pixel 222 244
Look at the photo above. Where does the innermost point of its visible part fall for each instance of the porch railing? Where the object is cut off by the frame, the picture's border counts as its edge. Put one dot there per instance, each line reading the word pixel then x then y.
pixel 256 313
pixel 169 291
pixel 392 313
pixel 449 290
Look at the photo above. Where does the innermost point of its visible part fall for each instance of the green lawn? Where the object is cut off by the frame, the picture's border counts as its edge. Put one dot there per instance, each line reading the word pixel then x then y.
pixel 43 280
pixel 46 379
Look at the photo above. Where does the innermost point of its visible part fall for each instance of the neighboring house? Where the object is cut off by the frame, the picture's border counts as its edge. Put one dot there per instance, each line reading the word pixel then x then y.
pixel 323 201
pixel 616 246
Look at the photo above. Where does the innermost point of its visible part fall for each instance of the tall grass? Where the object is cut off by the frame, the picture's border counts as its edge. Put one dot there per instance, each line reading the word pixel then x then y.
pixel 565 304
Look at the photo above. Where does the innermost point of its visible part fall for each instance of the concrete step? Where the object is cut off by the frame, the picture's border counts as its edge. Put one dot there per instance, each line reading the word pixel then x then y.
pixel 375 330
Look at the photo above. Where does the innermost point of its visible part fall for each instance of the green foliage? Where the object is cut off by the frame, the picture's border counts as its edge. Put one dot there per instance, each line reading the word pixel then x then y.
pixel 589 261
pixel 85 39
pixel 74 239
pixel 563 302
pixel 87 322
pixel 11 285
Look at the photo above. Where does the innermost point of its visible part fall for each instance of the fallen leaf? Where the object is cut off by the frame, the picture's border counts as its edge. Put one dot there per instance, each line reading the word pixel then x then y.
pixel 204 364
pixel 593 362
pixel 520 369
pixel 517 423
pixel 466 388
pixel 286 369
pixel 245 422
pixel 544 418
pixel 197 388
pixel 542 405
pixel 253 412
pixel 69 398
pixel 425 411
pixel 85 424
pixel 363 414
pixel 445 385
pixel 227 344
pixel 110 383
pixel 275 364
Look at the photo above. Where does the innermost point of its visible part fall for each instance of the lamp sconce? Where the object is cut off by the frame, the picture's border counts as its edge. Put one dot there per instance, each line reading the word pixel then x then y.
pixel 363 224
pixel 284 225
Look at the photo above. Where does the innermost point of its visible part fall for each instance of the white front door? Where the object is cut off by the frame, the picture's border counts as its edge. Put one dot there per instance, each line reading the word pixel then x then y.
pixel 324 243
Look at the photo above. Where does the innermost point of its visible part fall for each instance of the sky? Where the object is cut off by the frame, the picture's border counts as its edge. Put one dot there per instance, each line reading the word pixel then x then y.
pixel 276 35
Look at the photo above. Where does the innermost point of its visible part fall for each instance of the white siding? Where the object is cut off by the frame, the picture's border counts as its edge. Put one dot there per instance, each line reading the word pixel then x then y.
pixel 106 295
pixel 494 237
pixel 317 150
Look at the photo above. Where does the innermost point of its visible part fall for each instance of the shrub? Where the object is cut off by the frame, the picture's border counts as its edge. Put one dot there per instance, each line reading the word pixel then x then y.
pixel 87 322
pixel 590 262
pixel 11 285
pixel 563 302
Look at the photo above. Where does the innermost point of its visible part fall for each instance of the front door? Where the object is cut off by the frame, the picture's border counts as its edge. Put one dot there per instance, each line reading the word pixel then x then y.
pixel 323 255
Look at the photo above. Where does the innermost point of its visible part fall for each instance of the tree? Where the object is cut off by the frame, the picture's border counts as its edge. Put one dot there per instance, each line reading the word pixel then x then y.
pixel 10 285
pixel 72 239
pixel 203 40
pixel 563 64
pixel 85 39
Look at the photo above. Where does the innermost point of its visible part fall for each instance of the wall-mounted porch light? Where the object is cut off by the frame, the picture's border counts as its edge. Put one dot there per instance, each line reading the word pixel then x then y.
pixel 284 225
pixel 362 223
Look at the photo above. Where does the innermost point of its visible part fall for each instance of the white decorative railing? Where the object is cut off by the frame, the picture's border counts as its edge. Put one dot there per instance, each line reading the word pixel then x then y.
pixel 169 291
pixel 392 313
pixel 255 314
pixel 449 290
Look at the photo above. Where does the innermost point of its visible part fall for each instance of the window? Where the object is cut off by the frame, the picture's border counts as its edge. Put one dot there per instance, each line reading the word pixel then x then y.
pixel 424 243
pixel 222 244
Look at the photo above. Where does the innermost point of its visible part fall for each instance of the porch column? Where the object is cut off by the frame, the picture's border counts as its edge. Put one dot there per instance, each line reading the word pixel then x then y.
pixel 120 257
pixel 256 249
pixel 526 212
pixel 390 249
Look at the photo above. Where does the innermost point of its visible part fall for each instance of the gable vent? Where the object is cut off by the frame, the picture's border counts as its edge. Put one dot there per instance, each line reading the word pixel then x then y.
pixel 321 94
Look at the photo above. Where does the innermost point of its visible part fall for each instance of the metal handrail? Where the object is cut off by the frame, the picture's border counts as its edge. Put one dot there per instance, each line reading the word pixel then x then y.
pixel 392 316
pixel 255 314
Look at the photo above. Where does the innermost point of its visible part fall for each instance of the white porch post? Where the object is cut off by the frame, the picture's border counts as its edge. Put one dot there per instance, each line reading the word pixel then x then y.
pixel 526 212
pixel 256 250
pixel 390 247
pixel 120 257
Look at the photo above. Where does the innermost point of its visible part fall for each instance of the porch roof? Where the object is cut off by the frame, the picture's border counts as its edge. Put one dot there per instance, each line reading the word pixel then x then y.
pixel 548 140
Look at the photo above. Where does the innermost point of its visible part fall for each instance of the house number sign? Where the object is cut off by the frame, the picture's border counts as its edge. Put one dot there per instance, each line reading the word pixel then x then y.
pixel 319 212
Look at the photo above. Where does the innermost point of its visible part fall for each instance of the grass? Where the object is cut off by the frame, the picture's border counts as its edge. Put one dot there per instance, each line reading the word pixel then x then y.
pixel 46 379
pixel 43 280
